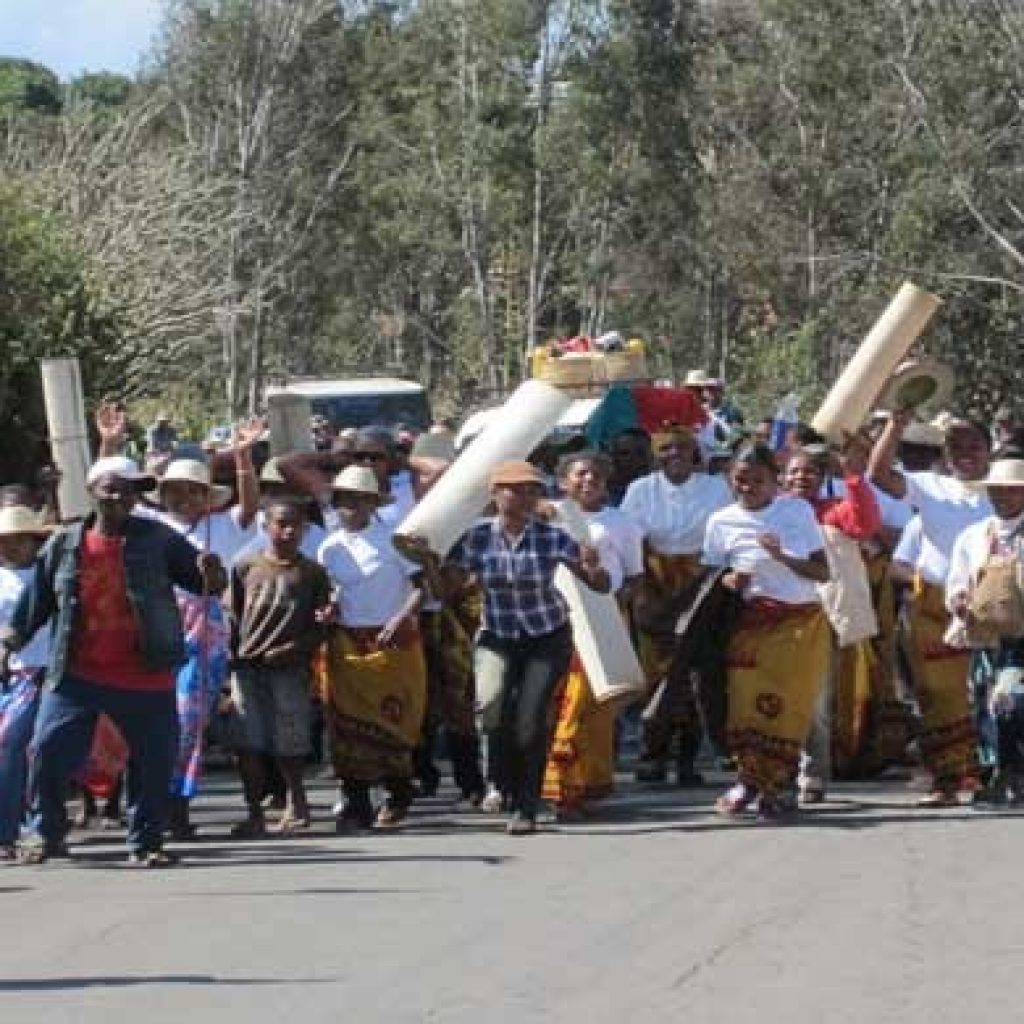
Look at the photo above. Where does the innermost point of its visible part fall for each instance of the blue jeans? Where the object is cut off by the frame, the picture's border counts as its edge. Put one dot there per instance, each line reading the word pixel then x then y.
pixel 61 742
pixel 18 707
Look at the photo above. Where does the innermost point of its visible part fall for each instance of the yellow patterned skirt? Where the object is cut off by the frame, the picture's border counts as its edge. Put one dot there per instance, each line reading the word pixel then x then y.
pixel 948 738
pixel 777 660
pixel 376 699
pixel 581 759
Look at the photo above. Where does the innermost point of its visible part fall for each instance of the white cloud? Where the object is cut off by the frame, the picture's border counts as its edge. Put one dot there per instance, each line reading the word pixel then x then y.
pixel 70 36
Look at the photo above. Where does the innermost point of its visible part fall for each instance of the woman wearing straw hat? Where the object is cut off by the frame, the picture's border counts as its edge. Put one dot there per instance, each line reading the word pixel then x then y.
pixel 193 505
pixel 377 687
pixel 947 503
pixel 989 556
pixel 22 534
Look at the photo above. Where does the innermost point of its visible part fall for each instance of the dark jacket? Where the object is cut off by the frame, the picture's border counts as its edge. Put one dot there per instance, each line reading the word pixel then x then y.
pixel 156 560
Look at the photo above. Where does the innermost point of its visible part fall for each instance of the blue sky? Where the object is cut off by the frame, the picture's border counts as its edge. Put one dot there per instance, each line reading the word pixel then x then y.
pixel 70 36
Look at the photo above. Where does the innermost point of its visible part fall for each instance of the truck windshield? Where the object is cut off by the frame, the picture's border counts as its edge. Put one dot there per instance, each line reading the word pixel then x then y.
pixel 343 411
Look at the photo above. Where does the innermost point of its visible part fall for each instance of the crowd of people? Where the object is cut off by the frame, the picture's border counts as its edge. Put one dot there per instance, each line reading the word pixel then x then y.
pixel 803 614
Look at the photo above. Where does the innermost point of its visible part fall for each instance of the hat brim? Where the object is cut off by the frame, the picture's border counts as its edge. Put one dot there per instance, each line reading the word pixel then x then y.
pixel 219 494
pixel 917 385
pixel 32 531
pixel 378 499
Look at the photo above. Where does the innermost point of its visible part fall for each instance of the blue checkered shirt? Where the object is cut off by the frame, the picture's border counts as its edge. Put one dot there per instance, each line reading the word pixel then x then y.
pixel 520 599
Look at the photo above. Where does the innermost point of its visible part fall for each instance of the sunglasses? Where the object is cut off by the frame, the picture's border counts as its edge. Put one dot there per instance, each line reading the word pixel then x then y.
pixel 369 457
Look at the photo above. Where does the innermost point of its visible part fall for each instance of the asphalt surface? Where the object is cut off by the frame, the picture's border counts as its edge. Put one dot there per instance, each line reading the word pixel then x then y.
pixel 868 909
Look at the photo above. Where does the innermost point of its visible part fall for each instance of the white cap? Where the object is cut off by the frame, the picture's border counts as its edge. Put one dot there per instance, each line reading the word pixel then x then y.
pixel 120 466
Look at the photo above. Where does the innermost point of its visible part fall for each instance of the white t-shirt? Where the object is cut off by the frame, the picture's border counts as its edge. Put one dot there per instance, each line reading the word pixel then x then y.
pixel 36 653
pixel 225 538
pixel 946 507
pixel 624 537
pixel 371 578
pixel 973 548
pixel 313 537
pixel 732 540
pixel 404 500
pixel 908 550
pixel 672 517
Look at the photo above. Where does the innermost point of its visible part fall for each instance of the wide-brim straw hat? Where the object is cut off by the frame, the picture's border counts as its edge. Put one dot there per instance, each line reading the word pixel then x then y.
pixel 192 471
pixel 927 435
pixel 516 471
pixel 1004 473
pixel 360 480
pixel 918 383
pixel 271 473
pixel 21 521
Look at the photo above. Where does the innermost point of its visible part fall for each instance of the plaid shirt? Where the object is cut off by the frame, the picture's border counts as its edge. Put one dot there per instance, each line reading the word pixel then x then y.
pixel 520 599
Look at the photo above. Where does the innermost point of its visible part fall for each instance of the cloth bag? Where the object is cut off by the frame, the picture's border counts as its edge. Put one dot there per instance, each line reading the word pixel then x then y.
pixel 846 597
pixel 996 607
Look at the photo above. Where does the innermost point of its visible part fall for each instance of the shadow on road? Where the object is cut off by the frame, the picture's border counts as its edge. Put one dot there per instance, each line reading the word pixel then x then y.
pixel 128 981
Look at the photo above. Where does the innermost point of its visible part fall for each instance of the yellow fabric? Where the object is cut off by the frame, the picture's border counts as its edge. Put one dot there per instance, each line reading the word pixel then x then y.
pixel 451 693
pixel 376 702
pixel 664 577
pixel 581 760
pixel 948 738
pixel 775 672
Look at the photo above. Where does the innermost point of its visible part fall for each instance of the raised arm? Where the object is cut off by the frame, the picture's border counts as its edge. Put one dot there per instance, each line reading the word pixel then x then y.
pixel 881 466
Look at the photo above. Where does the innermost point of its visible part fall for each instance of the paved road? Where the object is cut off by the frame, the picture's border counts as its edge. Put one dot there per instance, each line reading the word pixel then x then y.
pixel 869 910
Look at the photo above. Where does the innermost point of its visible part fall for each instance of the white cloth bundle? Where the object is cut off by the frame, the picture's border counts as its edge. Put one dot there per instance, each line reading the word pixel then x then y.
pixel 459 498
pixel 846 597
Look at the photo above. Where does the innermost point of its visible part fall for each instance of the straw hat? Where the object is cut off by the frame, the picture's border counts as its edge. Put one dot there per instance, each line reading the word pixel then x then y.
pixel 927 435
pixel 20 520
pixel 918 382
pixel 192 471
pixel 516 471
pixel 123 468
pixel 1004 473
pixel 699 379
pixel 363 481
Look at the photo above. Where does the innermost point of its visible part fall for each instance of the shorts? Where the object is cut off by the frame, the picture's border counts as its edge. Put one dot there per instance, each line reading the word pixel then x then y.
pixel 273 710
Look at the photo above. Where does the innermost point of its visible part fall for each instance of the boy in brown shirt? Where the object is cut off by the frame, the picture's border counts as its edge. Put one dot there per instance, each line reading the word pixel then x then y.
pixel 279 604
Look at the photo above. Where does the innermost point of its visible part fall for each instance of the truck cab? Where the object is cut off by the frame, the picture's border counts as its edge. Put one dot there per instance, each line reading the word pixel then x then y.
pixel 363 401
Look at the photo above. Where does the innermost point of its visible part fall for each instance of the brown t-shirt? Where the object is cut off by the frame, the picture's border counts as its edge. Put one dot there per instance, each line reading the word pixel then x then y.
pixel 272 606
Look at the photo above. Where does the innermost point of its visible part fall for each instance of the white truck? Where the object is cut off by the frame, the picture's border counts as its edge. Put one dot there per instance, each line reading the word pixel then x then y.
pixel 362 401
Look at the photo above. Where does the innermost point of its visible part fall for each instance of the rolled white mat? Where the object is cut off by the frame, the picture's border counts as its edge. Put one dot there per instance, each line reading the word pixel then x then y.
pixel 69 435
pixel 289 417
pixel 853 396
pixel 458 499
pixel 598 628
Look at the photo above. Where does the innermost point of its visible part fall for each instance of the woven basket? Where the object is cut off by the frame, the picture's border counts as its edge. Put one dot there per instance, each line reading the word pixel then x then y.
pixel 571 371
pixel 625 366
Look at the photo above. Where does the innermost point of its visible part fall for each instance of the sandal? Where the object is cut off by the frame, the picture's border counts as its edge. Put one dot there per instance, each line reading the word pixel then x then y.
pixel 289 826
pixel 35 850
pixel 8 853
pixel 735 801
pixel 812 795
pixel 251 828
pixel 153 859
pixel 939 798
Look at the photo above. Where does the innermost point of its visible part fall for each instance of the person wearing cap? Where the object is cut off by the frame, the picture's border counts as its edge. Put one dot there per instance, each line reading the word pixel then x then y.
pixel 995 543
pixel 1007 427
pixel 376 674
pixel 947 503
pixel 448 621
pixel 190 503
pixel 375 448
pixel 106 586
pixel 671 508
pixel 581 758
pixel 22 534
pixel 524 646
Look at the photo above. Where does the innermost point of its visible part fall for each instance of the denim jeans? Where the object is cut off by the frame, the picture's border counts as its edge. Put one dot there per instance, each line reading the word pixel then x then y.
pixel 60 745
pixel 530 669
pixel 18 708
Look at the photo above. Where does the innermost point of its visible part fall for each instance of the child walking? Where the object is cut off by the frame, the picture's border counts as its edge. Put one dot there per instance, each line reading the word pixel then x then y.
pixel 279 604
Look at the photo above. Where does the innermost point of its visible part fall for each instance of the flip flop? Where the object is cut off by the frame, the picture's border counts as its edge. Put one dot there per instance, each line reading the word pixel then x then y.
pixel 289 826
